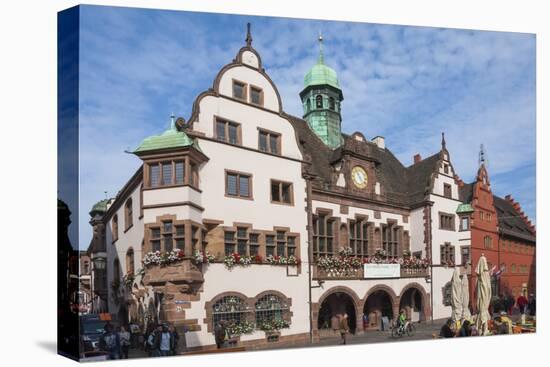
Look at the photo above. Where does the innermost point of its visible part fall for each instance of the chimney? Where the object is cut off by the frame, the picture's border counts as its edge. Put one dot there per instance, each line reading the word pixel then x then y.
pixel 417 158
pixel 379 141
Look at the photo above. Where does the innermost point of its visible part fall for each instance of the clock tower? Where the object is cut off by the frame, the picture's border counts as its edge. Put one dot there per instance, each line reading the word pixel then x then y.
pixel 322 100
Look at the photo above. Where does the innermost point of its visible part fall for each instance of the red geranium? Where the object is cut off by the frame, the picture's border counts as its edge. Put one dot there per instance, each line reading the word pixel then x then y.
pixel 258 259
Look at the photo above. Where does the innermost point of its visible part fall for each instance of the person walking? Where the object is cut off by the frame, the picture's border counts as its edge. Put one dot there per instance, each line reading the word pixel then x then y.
pixel 522 304
pixel 124 337
pixel 220 334
pixel 174 340
pixel 344 327
pixel 510 303
pixel 153 342
pixel 163 341
pixel 532 305
pixel 110 342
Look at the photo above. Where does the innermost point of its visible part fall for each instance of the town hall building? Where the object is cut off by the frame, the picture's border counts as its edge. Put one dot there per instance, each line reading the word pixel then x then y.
pixel 274 224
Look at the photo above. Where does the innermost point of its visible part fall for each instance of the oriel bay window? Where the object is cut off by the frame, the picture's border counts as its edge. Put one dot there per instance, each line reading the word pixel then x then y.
pixel 323 235
pixel 174 172
pixel 167 236
pixel 238 184
pixel 269 141
pixel 281 192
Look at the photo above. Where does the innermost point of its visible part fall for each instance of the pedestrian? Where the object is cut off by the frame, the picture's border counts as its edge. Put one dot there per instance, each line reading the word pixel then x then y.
pixel 446 331
pixel 219 334
pixel 124 337
pixel 510 303
pixel 134 334
pixel 365 321
pixel 522 304
pixel 344 327
pixel 174 339
pixel 163 341
pixel 532 305
pixel 507 321
pixel 110 342
pixel 154 342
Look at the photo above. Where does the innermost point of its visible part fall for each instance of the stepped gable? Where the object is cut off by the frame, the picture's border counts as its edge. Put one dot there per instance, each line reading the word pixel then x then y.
pixel 512 220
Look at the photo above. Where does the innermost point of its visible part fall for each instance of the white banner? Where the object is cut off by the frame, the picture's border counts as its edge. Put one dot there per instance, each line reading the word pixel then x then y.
pixel 382 270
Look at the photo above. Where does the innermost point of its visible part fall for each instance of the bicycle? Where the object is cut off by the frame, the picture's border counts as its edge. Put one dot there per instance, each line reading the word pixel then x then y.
pixel 398 331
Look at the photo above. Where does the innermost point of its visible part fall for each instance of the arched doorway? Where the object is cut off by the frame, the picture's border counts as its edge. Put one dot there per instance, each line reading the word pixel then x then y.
pixel 379 304
pixel 411 301
pixel 334 305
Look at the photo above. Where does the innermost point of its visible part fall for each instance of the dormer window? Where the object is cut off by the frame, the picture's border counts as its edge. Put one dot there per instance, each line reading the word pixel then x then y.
pixel 239 90
pixel 319 101
pixel 332 104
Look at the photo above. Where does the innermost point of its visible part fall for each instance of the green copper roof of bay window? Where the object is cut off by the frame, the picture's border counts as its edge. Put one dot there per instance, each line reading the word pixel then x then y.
pixel 464 208
pixel 171 138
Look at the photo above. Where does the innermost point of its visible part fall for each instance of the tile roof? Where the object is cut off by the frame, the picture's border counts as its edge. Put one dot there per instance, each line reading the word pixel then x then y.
pixel 511 222
pixel 401 185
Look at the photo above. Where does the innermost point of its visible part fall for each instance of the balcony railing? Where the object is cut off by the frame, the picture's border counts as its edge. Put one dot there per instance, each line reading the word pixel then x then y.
pixel 355 274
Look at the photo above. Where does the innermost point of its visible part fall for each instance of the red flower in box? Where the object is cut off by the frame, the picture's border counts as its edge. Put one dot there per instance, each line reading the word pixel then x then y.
pixel 258 259
pixel 237 257
pixel 181 254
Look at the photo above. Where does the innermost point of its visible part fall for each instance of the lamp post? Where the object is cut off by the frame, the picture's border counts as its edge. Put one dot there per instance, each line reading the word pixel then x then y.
pixel 100 263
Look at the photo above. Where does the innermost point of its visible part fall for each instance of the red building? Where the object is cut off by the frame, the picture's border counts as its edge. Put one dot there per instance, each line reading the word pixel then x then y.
pixel 483 226
pixel 517 248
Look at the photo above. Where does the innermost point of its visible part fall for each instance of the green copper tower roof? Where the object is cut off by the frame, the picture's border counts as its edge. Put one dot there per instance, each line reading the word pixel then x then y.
pixel 321 74
pixel 464 208
pixel 171 138
pixel 100 207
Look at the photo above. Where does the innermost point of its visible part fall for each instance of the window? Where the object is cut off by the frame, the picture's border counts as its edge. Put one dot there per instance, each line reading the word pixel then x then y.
pixel 229 242
pixel 447 254
pixel 513 268
pixel 323 235
pixel 86 268
pixel 167 237
pixel 130 261
pixel 446 168
pixel 238 185
pixel 239 90
pixel 446 221
pixel 319 101
pixel 488 242
pixel 154 175
pixel 256 96
pixel 281 192
pixel 291 245
pixel 358 237
pixel 115 228
pixel 465 255
pixel 390 239
pixel 254 245
pixel 331 104
pixel 168 173
pixel 308 105
pixel 464 223
pixel 447 191
pixel 180 172
pixel 481 216
pixel 269 245
pixel 128 213
pixel 270 308
pixel 228 131
pixel 269 141
pixel 232 309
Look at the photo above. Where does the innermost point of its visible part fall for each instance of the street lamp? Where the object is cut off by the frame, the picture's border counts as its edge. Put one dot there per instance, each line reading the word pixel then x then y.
pixel 100 262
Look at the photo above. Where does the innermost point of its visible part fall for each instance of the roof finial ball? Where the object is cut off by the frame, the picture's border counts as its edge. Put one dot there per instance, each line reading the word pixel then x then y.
pixel 248 35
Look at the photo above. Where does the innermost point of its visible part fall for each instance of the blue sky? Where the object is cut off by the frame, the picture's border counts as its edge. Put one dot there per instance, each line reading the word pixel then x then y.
pixel 408 84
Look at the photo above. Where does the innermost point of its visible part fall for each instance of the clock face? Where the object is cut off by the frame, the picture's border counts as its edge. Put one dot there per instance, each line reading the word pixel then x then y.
pixel 359 177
